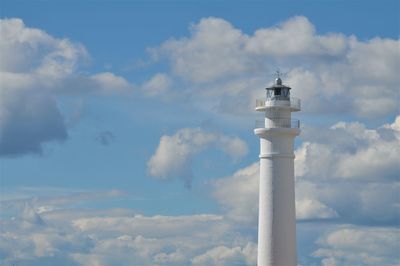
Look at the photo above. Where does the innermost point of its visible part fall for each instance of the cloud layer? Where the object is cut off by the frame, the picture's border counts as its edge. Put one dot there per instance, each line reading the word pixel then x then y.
pixel 67 235
pixel 332 72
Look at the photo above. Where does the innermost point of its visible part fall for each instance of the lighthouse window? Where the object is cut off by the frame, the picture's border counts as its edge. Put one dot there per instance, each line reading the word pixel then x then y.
pixel 277 91
pixel 269 93
pixel 285 92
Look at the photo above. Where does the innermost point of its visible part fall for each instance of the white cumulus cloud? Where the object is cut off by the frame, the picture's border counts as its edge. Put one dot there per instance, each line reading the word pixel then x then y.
pixel 351 245
pixel 350 151
pixel 244 185
pixel 173 155
pixel 157 85
pixel 225 256
pixel 313 209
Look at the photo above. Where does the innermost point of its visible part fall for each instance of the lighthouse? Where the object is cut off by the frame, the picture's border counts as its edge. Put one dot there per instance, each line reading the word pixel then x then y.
pixel 277 213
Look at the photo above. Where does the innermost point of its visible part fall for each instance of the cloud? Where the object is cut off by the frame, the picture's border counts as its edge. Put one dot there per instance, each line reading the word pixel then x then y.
pixel 109 82
pixel 244 185
pixel 173 156
pixel 351 245
pixel 30 50
pixel 213 50
pixel 35 69
pixel 157 85
pixel 156 226
pixel 313 209
pixel 35 202
pixel 357 153
pixel 332 72
pixel 222 255
pixel 29 240
pixel 27 120
pixel 295 37
pixel 354 202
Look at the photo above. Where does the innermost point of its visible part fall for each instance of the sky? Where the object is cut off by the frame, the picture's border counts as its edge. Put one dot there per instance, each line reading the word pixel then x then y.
pixel 126 129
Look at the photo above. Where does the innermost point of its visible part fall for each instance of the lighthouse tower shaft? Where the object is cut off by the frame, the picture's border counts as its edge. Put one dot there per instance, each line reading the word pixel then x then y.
pixel 277 215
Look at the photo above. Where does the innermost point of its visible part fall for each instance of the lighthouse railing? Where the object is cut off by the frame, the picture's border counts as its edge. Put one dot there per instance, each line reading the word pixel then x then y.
pixel 278 123
pixel 269 102
pixel 260 102
pixel 295 103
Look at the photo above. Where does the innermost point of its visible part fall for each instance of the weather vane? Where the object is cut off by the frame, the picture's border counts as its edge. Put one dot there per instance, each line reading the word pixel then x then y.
pixel 279 74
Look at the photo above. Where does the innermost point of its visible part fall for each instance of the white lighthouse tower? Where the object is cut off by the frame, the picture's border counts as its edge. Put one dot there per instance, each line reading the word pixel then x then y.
pixel 277 214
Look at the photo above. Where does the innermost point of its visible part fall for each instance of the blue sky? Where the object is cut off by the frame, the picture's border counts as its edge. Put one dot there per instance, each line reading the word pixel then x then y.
pixel 118 117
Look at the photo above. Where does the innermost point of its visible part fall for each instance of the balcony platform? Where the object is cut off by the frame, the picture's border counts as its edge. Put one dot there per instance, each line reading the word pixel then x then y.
pixel 278 127
pixel 294 104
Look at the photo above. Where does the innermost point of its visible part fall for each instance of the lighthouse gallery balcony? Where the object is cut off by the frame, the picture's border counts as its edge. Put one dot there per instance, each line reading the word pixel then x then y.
pixel 278 101
pixel 278 123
